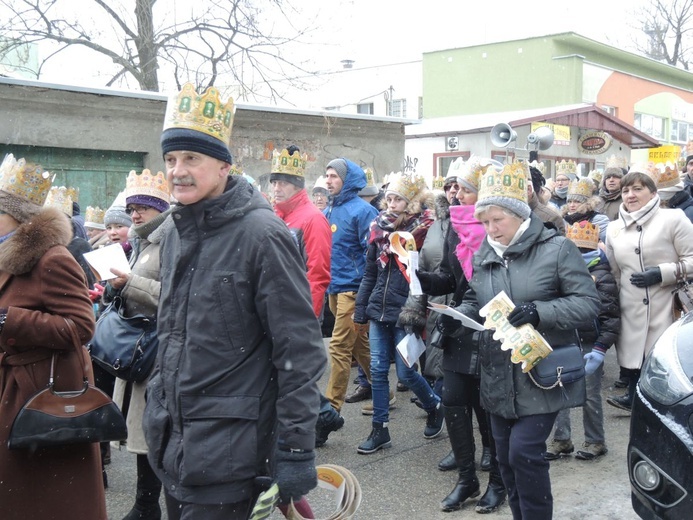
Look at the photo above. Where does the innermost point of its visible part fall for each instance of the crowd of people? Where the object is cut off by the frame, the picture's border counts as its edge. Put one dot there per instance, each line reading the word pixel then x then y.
pixel 244 285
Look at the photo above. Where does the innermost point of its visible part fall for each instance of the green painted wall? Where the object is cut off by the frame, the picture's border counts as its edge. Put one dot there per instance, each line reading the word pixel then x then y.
pixel 100 175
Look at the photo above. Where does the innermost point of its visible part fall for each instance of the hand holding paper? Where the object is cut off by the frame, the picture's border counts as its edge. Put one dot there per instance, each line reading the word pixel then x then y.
pixel 102 260
pixel 449 311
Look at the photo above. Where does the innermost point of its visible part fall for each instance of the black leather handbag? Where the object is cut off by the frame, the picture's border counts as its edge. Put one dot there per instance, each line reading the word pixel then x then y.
pixel 53 418
pixel 563 366
pixel 124 347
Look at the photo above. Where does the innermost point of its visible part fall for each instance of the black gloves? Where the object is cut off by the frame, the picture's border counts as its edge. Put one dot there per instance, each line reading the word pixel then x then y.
pixel 523 314
pixel 448 325
pixel 410 329
pixel 425 279
pixel 650 276
pixel 295 474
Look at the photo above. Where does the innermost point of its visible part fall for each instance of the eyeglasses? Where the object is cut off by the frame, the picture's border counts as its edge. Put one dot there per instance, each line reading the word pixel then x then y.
pixel 448 187
pixel 139 209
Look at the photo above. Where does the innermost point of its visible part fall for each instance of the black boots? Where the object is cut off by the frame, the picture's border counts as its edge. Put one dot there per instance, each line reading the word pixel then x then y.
pixel 495 492
pixel 625 402
pixel 148 489
pixel 377 440
pixel 448 463
pixel 459 423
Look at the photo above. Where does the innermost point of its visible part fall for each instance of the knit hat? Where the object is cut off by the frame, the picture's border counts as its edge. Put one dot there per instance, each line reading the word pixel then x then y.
pixel 340 166
pixel 148 189
pixel 689 159
pixel 23 188
pixel 289 166
pixel 320 185
pixel 370 190
pixel 116 213
pixel 198 123
pixel 506 188
pixel 613 171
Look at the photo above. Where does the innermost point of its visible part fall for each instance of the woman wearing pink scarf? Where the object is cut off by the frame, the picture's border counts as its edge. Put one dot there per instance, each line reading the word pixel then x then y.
pixel 461 351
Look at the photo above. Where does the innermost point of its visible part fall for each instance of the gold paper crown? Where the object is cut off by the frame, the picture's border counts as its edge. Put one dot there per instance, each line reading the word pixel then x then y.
pixel 648 168
pixel 94 216
pixel 407 185
pixel 236 169
pixel 206 112
pixel 615 161
pixel 474 170
pixel 289 164
pixel 26 181
pixel 665 175
pixel 510 182
pixel 73 193
pixel 566 168
pixel 539 166
pixel 59 198
pixel 596 176
pixel 457 168
pixel 581 189
pixel 583 234
pixel 146 183
pixel 438 183
pixel 370 179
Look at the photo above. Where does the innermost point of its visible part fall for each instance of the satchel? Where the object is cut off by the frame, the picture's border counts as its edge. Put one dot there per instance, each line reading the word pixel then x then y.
pixel 52 418
pixel 124 347
pixel 564 365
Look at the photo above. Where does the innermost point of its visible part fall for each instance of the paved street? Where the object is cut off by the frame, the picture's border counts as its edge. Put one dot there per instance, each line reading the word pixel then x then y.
pixel 404 483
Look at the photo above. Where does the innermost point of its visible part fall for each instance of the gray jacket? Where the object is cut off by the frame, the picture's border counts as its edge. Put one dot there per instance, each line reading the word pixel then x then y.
pixel 547 269
pixel 240 349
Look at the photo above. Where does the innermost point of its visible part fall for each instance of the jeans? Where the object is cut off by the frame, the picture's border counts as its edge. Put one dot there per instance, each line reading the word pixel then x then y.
pixel 344 343
pixel 520 447
pixel 363 380
pixel 592 413
pixel 384 338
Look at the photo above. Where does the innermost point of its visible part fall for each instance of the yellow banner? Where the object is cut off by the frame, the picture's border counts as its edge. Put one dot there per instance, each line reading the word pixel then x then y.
pixel 664 153
pixel 561 133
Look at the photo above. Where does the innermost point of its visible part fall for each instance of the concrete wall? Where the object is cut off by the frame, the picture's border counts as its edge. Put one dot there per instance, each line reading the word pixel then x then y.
pixel 38 114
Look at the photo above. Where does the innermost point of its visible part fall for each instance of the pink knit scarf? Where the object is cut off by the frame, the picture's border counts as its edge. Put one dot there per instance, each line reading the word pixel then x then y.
pixel 471 233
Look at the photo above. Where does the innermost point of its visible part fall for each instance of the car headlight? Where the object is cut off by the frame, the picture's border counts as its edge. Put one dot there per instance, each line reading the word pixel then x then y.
pixel 662 377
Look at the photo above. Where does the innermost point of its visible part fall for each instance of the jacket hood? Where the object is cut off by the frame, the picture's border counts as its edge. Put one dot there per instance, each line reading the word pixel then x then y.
pixel 354 182
pixel 32 239
pixel 590 204
pixel 238 199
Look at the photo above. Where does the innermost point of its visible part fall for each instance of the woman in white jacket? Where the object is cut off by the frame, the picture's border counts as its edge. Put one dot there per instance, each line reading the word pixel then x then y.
pixel 644 246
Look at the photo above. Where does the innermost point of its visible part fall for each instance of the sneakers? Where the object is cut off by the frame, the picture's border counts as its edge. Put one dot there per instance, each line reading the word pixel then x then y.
pixel 367 409
pixel 361 393
pixel 434 422
pixel 557 448
pixel 328 422
pixel 378 439
pixel 591 450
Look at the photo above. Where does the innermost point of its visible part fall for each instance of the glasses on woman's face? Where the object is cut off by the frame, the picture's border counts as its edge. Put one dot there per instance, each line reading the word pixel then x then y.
pixel 138 208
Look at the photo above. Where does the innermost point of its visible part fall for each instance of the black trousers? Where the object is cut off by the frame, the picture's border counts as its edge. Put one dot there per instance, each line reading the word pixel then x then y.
pixel 463 390
pixel 186 511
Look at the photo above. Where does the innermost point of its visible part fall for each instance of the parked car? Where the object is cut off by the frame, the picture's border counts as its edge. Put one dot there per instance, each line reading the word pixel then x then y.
pixel 660 450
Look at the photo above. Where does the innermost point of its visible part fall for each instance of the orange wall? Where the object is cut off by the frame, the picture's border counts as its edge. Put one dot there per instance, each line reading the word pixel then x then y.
pixel 623 91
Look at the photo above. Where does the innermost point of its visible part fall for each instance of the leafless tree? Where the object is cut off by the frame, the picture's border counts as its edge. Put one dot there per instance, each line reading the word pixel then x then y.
pixel 668 31
pixel 237 42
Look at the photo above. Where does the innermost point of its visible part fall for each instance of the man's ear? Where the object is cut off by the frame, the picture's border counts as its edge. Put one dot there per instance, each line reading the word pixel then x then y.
pixel 225 168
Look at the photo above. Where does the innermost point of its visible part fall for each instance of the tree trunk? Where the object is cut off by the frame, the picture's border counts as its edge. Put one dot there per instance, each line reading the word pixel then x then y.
pixel 146 46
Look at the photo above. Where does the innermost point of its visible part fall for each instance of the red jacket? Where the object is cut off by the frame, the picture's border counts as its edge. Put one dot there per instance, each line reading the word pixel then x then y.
pixel 313 231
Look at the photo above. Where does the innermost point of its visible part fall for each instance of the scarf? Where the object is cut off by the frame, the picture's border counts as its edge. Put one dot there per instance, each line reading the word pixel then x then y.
pixel 386 223
pixel 500 248
pixel 640 216
pixel 471 233
pixel 572 218
pixel 592 258
pixel 561 193
pixel 609 196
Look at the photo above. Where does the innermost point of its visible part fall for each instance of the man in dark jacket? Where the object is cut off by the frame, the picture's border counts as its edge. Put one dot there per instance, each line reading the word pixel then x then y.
pixel 240 350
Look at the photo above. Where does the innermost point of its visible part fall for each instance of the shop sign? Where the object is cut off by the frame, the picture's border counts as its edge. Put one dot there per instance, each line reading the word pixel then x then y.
pixel 595 142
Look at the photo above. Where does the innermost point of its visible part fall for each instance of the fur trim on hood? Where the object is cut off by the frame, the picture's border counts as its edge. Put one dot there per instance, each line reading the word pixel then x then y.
pixel 590 204
pixel 32 239
pixel 442 207
pixel 423 200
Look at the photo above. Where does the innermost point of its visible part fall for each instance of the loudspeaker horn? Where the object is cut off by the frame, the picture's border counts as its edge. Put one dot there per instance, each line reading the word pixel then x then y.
pixel 541 138
pixel 502 135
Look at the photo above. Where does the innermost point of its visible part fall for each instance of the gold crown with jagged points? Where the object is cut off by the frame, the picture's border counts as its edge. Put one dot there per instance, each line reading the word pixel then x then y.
pixel 73 193
pixel 25 180
pixel 438 183
pixel 614 161
pixel 596 176
pixel 59 198
pixel 457 168
pixel 406 185
pixel 539 166
pixel 474 170
pixel 205 112
pixel 370 177
pixel 236 169
pixel 648 168
pixel 580 190
pixel 566 168
pixel 665 175
pixel 93 217
pixel 583 234
pixel 146 183
pixel 287 164
pixel 511 182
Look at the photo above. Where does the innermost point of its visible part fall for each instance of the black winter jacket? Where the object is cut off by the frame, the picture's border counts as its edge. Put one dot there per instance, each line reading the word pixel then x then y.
pixel 607 325
pixel 683 201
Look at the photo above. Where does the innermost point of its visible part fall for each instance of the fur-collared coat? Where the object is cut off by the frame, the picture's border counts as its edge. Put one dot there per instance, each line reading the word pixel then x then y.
pixel 44 292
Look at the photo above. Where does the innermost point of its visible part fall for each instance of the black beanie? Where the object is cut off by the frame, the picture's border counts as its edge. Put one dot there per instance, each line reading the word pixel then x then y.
pixel 174 139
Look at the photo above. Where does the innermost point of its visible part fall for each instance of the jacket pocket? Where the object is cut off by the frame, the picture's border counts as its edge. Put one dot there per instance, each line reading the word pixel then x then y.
pixel 156 422
pixel 219 439
pixel 231 305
